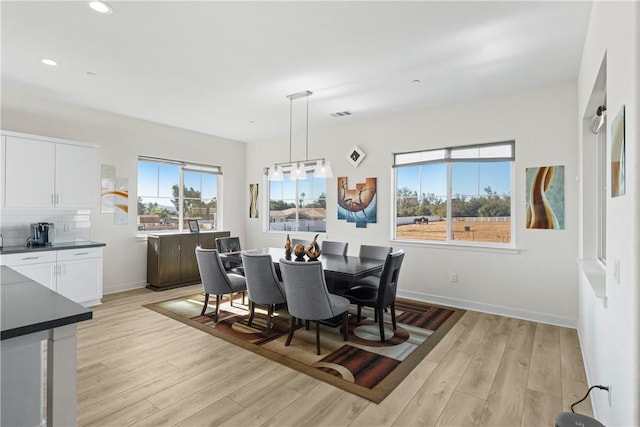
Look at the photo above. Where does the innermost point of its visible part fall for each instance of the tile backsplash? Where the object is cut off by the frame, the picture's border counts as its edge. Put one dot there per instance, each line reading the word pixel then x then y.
pixel 70 225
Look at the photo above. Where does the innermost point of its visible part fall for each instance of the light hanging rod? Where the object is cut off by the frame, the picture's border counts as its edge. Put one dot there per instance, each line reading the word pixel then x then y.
pixel 300 94
pixel 309 162
pixel 297 169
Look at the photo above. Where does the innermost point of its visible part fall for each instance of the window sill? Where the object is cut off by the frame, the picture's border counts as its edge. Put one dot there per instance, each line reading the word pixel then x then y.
pixel 511 250
pixel 595 273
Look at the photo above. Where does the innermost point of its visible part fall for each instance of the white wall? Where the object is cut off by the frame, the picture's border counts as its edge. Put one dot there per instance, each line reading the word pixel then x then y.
pixel 539 282
pixel 121 140
pixel 609 330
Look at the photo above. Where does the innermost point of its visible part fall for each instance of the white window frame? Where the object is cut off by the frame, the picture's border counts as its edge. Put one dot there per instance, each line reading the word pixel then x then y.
pixel 602 193
pixel 267 206
pixel 188 167
pixel 495 151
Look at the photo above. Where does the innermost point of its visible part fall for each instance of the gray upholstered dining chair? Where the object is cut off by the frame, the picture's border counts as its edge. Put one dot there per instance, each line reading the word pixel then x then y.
pixel 215 280
pixel 374 252
pixel 308 297
pixel 329 247
pixel 230 244
pixel 263 285
pixel 381 296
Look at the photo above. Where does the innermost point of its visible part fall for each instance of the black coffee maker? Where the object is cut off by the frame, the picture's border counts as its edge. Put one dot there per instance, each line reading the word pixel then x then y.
pixel 42 234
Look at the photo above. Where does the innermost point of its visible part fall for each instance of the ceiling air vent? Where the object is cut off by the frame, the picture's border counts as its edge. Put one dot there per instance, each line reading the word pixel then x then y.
pixel 342 113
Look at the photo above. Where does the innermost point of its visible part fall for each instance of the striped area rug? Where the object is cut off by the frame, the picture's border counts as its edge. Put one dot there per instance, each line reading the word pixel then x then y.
pixel 363 365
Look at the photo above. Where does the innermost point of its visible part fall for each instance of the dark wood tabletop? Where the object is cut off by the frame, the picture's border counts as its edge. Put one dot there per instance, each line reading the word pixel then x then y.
pixel 345 268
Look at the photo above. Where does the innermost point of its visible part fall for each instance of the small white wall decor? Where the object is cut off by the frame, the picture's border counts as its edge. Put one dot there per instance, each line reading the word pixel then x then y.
pixel 355 156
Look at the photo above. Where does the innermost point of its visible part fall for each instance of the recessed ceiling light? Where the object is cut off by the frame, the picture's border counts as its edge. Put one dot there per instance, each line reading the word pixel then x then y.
pixel 415 81
pixel 101 7
pixel 49 61
pixel 90 73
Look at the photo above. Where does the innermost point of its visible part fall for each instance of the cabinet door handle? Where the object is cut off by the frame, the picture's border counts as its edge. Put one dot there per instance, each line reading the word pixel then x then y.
pixel 53 200
pixel 30 257
pixel 82 253
pixel 57 198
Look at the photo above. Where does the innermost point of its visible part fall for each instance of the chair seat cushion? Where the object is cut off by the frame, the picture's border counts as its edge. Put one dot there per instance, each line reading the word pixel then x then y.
pixel 238 282
pixel 237 270
pixel 363 295
pixel 370 281
pixel 339 304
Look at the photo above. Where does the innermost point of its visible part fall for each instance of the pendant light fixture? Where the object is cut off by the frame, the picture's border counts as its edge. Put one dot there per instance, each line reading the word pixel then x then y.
pixel 297 170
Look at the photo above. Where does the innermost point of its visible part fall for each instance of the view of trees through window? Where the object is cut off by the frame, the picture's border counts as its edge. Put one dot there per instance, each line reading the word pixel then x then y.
pixel 298 205
pixel 454 201
pixel 162 207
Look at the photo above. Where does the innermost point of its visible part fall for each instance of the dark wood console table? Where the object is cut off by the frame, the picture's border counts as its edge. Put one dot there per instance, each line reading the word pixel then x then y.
pixel 171 258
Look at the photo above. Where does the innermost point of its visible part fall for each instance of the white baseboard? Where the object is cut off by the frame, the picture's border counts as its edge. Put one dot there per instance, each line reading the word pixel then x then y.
pixel 123 287
pixel 492 309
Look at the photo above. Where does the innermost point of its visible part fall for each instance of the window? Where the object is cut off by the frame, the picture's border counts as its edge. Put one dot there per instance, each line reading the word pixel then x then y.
pixel 170 193
pixel 472 183
pixel 298 205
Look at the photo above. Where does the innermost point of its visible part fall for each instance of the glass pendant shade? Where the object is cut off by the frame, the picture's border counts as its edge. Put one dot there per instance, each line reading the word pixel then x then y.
pixel 298 173
pixel 276 174
pixel 323 169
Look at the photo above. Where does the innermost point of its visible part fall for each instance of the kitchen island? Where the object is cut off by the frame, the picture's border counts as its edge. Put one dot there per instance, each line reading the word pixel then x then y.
pixel 31 313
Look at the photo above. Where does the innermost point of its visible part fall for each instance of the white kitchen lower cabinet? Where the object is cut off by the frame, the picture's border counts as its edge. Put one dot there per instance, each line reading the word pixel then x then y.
pixel 73 273
pixel 79 273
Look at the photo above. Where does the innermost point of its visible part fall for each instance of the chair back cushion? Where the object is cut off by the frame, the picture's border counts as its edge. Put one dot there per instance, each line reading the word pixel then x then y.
pixel 214 278
pixel 375 252
pixel 263 285
pixel 329 247
pixel 306 290
pixel 228 244
pixel 389 278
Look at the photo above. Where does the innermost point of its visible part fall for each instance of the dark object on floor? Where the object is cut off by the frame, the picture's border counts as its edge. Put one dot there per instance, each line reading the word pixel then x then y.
pixel 568 419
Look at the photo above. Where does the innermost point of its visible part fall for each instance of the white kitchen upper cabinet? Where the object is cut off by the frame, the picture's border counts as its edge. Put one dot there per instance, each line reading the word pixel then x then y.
pixel 76 176
pixel 49 173
pixel 29 173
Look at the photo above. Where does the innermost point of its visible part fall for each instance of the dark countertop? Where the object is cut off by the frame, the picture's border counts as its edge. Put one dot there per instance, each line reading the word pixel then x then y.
pixel 55 247
pixel 29 307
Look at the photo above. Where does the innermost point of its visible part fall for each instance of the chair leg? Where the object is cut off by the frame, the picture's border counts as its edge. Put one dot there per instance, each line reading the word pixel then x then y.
pixel 380 323
pixel 206 301
pixel 317 338
pixel 291 330
pixel 345 325
pixel 393 316
pixel 359 313
pixel 252 308
pixel 269 314
pixel 215 314
pixel 231 299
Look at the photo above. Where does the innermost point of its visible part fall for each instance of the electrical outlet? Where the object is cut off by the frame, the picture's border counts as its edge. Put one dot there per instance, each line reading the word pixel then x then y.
pixel 67 227
pixel 454 277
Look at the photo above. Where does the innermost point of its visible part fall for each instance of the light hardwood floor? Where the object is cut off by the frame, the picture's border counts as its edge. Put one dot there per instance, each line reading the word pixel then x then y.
pixel 138 367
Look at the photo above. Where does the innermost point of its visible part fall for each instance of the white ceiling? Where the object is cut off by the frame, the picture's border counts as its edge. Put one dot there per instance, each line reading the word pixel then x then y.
pixel 225 68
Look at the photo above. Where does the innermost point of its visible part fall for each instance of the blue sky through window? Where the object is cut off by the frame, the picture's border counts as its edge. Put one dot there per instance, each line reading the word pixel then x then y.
pixel 468 178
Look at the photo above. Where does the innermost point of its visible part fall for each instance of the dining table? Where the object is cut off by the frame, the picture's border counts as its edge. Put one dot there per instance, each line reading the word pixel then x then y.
pixel 337 268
